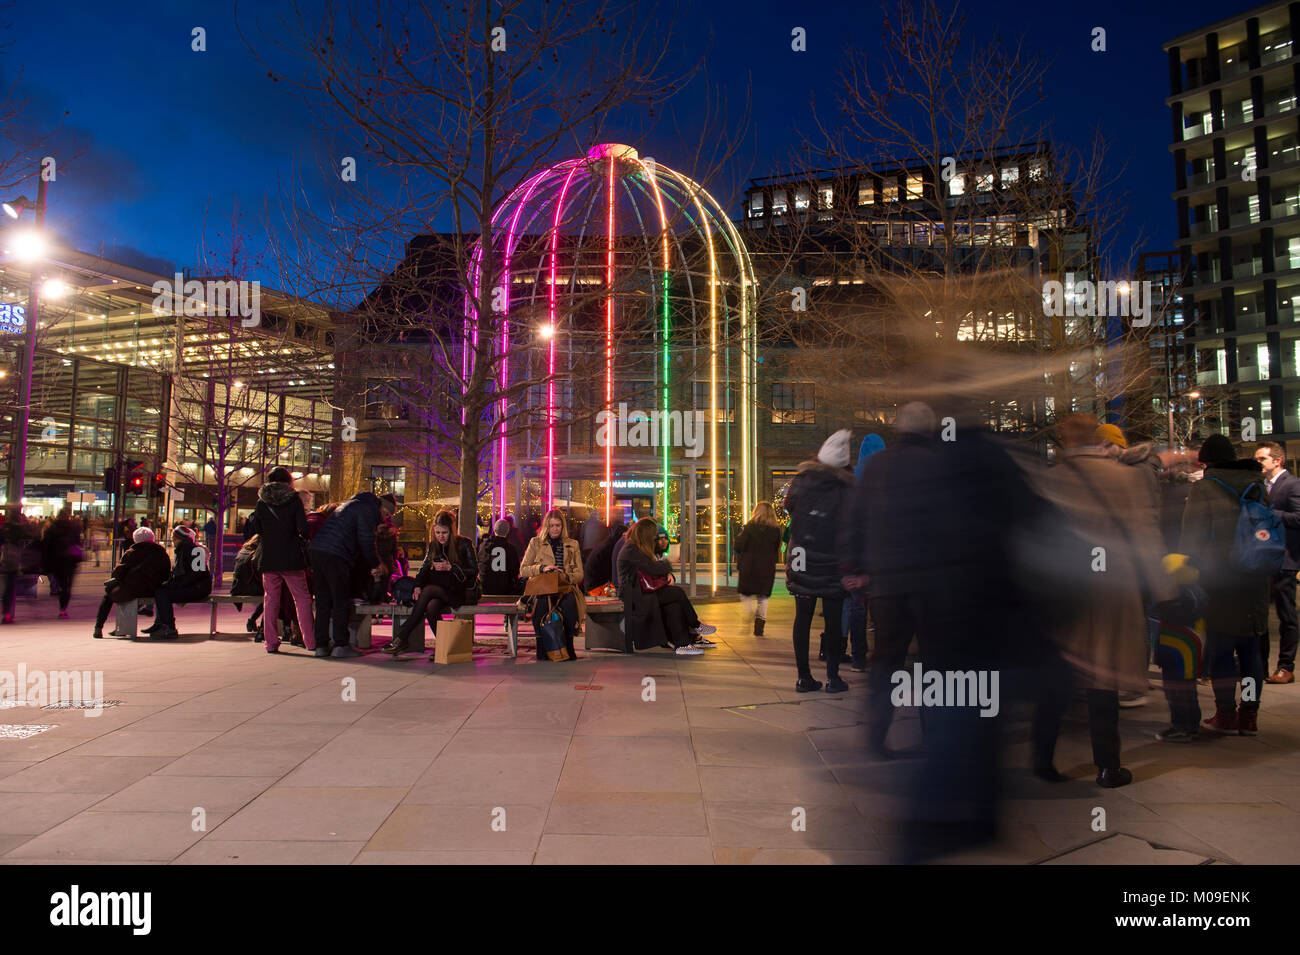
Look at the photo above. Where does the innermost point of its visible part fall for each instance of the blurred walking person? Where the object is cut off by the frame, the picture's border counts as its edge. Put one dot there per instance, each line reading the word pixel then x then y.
pixel 60 554
pixel 1113 510
pixel 498 562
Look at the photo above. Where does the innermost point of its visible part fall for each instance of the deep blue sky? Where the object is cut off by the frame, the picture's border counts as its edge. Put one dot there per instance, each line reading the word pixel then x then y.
pixel 173 138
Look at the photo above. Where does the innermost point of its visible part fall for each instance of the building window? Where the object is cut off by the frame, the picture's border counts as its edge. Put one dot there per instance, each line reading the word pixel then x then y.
pixel 984 180
pixel 794 402
pixel 957 185
pixel 890 192
pixel 825 197
pixel 383 403
pixel 386 480
pixel 866 193
pixel 915 187
pixel 778 202
pixel 801 198
pixel 1010 174
pixel 1037 170
pixel 756 205
pixel 726 401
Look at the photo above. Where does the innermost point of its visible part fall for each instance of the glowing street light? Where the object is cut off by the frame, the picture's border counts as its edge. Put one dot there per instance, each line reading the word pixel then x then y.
pixel 28 246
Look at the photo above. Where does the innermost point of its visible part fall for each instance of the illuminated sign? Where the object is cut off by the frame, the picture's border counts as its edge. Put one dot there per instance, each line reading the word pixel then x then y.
pixel 13 317
pixel 633 484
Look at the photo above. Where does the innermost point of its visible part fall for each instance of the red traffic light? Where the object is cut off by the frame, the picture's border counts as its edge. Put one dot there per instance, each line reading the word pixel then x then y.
pixel 135 483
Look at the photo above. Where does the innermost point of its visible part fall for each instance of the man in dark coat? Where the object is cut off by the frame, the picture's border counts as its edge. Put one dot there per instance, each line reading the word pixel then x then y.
pixel 498 562
pixel 191 580
pixel 1237 612
pixel 1284 497
pixel 280 523
pixel 347 538
pixel 141 571
pixel 816 502
pixel 599 569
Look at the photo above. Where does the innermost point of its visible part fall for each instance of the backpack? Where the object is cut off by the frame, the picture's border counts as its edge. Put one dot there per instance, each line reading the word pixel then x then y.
pixel 1259 542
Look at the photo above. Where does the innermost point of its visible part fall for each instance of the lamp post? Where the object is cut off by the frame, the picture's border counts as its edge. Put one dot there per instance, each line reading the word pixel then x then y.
pixel 18 469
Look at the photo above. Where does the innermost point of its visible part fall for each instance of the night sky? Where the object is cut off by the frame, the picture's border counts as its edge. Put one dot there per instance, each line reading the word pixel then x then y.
pixel 174 138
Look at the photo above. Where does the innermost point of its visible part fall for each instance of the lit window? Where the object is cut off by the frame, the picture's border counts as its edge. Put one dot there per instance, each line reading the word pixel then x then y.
pixel 794 402
pixel 984 181
pixel 1010 174
pixel 866 194
pixel 778 202
pixel 957 185
pixel 891 192
pixel 756 205
pixel 801 198
pixel 1037 169
pixel 915 187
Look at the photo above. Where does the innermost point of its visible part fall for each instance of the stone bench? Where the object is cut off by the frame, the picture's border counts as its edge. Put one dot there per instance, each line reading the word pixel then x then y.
pixel 217 599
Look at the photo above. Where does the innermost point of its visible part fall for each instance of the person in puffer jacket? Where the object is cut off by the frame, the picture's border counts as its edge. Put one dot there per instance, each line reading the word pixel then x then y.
pixel 816 503
pixel 191 580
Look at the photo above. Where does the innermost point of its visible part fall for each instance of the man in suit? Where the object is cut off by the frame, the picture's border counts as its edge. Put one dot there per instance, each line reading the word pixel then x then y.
pixel 1284 497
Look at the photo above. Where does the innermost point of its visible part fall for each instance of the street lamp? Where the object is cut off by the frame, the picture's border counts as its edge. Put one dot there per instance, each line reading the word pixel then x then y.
pixel 28 246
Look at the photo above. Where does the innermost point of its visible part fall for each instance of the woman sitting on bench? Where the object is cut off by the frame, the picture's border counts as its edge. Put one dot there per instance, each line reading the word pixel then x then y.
pixel 554 549
pixel 140 572
pixel 448 579
pixel 653 607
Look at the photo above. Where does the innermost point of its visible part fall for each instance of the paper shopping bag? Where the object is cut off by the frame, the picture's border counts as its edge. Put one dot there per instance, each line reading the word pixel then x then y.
pixel 454 641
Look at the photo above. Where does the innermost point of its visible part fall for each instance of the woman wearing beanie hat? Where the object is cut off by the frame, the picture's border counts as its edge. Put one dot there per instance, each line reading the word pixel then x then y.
pixel 816 503
pixel 190 580
pixel 139 573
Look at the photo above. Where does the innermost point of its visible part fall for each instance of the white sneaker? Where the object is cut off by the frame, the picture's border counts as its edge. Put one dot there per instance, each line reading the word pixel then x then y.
pixel 689 651
pixel 704 629
pixel 1128 700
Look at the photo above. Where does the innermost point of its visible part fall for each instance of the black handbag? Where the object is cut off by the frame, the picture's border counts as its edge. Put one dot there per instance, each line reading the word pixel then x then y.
pixel 404 591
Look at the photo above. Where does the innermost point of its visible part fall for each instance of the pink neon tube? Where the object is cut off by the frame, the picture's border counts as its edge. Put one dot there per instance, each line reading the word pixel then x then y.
pixel 609 347
pixel 550 383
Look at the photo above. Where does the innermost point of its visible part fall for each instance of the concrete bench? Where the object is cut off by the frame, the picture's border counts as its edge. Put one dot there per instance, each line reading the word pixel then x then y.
pixel 604 628
pixel 126 620
pixel 362 618
pixel 217 599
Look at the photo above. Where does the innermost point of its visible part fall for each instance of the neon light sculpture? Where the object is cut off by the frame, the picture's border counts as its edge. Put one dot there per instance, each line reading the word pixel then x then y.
pixel 657 220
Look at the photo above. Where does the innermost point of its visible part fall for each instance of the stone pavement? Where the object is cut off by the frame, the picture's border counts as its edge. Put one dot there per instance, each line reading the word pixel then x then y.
pixel 218 753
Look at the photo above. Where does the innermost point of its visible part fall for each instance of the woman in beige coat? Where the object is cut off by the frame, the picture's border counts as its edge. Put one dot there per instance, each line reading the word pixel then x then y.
pixel 554 549
pixel 1106 503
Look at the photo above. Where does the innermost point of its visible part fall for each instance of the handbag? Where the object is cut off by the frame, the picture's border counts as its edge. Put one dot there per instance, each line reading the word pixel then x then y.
pixel 650 584
pixel 550 635
pixel 302 543
pixel 541 585
pixel 404 591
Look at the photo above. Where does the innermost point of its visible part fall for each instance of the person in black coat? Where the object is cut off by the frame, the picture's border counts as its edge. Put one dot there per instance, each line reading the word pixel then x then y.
pixel 498 562
pixel 448 579
pixel 190 580
pixel 1284 498
pixel 758 548
pixel 651 617
pixel 600 568
pixel 346 538
pixel 817 505
pixel 139 573
pixel 246 579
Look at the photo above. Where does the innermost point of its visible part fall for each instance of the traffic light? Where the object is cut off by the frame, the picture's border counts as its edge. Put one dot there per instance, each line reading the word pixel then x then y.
pixel 135 482
pixel 157 483
pixel 110 481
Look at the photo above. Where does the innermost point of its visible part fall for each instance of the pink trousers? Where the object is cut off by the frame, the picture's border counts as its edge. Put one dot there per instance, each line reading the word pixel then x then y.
pixel 296 581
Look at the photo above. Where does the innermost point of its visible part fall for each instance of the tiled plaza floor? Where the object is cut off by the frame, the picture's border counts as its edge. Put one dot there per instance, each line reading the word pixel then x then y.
pixel 219 753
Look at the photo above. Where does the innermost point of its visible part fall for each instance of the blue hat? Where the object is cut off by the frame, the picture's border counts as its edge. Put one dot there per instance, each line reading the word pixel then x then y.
pixel 870 445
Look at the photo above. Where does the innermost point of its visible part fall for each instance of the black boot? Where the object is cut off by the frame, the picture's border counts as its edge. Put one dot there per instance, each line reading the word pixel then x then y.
pixel 396 645
pixel 758 626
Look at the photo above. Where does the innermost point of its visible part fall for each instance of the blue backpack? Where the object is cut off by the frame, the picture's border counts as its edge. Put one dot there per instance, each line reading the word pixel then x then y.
pixel 1259 543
